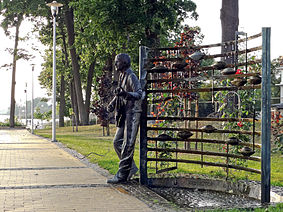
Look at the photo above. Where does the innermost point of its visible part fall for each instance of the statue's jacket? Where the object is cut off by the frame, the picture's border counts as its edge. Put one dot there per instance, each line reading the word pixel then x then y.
pixel 130 103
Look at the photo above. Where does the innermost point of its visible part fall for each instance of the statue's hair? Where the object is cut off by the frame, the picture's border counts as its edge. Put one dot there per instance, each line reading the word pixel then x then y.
pixel 125 58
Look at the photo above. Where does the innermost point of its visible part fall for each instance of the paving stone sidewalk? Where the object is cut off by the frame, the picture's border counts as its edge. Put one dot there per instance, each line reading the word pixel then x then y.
pixel 38 175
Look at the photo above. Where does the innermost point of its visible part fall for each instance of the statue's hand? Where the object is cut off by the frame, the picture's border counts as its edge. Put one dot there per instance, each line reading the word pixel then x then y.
pixel 117 91
pixel 120 92
pixel 110 108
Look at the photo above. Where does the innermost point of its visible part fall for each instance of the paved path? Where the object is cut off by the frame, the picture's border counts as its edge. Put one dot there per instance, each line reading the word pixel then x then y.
pixel 37 175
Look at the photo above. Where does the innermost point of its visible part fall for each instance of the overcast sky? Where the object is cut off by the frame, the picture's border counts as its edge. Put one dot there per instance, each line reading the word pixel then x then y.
pixel 253 15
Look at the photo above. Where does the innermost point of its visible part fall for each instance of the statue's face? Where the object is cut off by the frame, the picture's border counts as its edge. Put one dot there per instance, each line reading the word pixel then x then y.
pixel 119 64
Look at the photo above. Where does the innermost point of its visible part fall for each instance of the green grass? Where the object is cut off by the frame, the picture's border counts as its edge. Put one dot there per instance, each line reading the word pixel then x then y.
pixel 89 142
pixel 277 208
pixel 99 149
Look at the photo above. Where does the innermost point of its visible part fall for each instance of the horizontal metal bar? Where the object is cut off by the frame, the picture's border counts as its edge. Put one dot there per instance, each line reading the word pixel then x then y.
pixel 208 56
pixel 210 45
pixel 206 164
pixel 204 153
pixel 197 140
pixel 201 130
pixel 166 170
pixel 200 90
pixel 199 119
pixel 233 52
pixel 205 68
pixel 192 79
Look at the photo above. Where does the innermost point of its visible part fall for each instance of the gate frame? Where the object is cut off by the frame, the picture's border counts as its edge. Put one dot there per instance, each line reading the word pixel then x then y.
pixel 265 110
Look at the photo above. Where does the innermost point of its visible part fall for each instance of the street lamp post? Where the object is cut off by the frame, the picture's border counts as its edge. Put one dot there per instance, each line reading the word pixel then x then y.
pixel 26 105
pixel 54 11
pixel 32 107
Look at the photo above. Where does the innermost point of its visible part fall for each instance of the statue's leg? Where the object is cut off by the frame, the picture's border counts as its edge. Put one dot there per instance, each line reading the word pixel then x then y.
pixel 118 140
pixel 136 122
pixel 126 162
pixel 117 143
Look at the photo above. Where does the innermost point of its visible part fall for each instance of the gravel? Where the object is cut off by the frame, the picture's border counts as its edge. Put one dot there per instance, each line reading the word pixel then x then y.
pixel 202 199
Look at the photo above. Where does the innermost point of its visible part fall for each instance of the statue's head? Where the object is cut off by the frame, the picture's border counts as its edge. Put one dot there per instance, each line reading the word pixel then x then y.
pixel 122 62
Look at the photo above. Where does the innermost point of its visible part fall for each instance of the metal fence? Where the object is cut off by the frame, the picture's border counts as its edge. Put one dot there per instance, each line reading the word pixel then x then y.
pixel 177 127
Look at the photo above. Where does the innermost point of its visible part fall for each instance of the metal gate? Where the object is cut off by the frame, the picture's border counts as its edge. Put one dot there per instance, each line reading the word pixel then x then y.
pixel 173 129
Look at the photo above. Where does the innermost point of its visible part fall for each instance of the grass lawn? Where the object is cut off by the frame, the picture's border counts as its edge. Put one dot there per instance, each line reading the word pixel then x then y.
pixel 99 149
pixel 89 142
pixel 277 208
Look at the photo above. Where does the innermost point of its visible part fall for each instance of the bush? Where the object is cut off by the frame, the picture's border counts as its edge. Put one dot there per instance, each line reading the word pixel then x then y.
pixel 6 123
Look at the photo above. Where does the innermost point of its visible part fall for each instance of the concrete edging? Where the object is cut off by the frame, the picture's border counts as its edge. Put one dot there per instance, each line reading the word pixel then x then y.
pixel 251 190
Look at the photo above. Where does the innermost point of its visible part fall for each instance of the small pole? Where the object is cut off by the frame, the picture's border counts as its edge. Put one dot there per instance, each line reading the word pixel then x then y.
pixel 54 6
pixel 32 104
pixel 143 119
pixel 266 116
pixel 26 116
pixel 54 82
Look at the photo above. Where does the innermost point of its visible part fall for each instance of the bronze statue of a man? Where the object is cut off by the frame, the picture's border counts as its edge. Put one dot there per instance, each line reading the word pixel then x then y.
pixel 127 115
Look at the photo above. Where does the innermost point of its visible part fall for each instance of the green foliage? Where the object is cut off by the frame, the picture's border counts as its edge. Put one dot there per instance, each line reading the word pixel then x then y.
pixel 6 123
pixel 42 115
pixel 14 11
pixel 115 26
pixel 172 104
pixel 38 103
pixel 277 130
pixel 274 208
pixel 276 116
pixel 104 28
pixel 275 78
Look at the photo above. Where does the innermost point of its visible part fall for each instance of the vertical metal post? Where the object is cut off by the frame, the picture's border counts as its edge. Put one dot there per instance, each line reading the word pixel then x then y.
pixel 54 83
pixel 32 106
pixel 143 119
pixel 26 112
pixel 266 117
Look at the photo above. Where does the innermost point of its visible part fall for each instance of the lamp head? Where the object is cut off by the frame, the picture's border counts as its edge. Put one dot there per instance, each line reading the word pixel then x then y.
pixel 54 6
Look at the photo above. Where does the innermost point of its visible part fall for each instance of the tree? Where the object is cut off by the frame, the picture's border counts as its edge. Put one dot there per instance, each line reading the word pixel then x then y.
pixel 69 18
pixel 229 15
pixel 63 68
pixel 97 30
pixel 106 28
pixel 65 71
pixel 14 12
pixel 276 79
pixel 160 18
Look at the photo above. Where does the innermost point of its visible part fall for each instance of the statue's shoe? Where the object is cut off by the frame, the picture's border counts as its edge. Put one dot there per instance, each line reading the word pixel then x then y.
pixel 133 171
pixel 116 180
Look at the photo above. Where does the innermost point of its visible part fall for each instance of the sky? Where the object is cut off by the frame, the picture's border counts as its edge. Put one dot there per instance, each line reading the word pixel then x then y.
pixel 253 15
pixel 24 68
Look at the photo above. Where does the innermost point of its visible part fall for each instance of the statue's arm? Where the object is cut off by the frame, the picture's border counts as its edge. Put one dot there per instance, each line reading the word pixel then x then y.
pixel 111 105
pixel 136 93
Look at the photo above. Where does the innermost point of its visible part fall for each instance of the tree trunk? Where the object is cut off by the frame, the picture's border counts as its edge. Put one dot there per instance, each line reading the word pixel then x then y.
pixel 74 104
pixel 13 86
pixel 75 65
pixel 88 88
pixel 63 82
pixel 229 15
pixel 152 34
pixel 110 69
pixel 62 101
